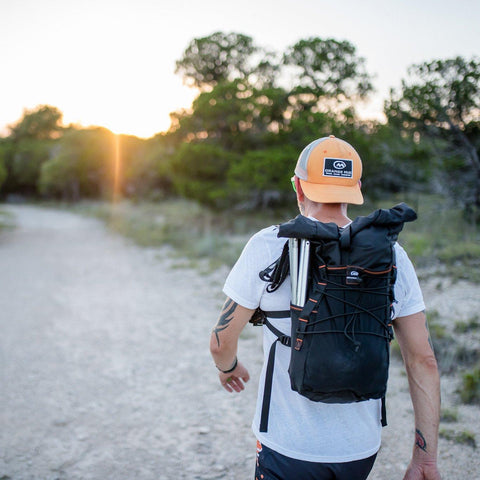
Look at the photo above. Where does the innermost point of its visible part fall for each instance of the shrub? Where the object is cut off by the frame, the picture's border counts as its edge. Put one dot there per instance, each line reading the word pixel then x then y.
pixel 470 325
pixel 449 415
pixel 464 437
pixel 262 177
pixel 460 252
pixel 470 388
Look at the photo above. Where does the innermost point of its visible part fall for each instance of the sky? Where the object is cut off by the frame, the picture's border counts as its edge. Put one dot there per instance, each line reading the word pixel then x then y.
pixel 111 62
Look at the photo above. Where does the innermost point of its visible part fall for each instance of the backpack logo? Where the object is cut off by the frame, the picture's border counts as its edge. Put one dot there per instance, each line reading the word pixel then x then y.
pixel 338 167
pixel 353 276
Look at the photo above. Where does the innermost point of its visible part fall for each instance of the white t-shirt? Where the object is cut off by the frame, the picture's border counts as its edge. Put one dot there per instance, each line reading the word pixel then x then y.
pixel 298 427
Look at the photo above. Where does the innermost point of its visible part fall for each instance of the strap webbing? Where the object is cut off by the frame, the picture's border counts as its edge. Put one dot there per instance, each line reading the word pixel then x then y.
pixel 267 392
pixel 384 412
pixel 278 314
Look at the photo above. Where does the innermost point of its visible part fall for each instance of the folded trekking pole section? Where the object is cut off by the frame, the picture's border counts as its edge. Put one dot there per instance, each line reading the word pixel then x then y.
pixel 299 260
pixel 293 256
pixel 302 280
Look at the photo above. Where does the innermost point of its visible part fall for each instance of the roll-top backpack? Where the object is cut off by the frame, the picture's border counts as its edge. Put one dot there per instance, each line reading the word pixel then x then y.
pixel 341 332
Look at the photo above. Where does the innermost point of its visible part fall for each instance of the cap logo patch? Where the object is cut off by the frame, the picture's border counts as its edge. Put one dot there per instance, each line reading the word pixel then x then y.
pixel 338 167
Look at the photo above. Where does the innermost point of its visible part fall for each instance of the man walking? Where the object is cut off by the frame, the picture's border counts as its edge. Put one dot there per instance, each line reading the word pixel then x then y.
pixel 314 440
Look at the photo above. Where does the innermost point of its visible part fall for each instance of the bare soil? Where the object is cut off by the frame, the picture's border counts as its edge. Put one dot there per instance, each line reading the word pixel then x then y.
pixel 105 370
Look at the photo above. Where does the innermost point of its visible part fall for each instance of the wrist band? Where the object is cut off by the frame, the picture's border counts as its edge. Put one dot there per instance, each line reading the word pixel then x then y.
pixel 231 369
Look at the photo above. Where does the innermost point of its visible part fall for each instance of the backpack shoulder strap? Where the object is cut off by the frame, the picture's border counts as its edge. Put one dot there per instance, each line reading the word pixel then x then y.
pixel 303 227
pixel 267 389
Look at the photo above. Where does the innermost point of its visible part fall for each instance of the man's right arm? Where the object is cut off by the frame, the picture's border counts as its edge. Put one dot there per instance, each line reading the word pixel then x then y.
pixel 413 337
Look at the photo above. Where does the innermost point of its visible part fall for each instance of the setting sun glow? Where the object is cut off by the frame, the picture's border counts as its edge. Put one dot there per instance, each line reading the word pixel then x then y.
pixel 101 63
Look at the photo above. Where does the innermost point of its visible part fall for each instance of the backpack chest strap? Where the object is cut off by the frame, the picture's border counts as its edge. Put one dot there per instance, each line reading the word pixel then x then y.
pixel 278 314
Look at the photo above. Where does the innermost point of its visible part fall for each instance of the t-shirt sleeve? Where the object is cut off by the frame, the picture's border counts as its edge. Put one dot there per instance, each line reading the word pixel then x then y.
pixel 244 285
pixel 408 294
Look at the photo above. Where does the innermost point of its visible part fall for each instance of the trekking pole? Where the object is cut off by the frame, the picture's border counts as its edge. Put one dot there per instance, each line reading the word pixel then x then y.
pixel 303 271
pixel 293 256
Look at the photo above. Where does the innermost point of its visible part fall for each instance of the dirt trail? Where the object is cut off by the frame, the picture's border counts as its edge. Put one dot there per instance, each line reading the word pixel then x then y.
pixel 105 371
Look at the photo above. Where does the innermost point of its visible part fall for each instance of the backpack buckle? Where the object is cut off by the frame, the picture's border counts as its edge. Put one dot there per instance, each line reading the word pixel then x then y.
pixel 258 317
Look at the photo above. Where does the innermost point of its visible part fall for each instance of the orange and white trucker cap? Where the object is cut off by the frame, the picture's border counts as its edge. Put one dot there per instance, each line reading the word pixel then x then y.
pixel 329 170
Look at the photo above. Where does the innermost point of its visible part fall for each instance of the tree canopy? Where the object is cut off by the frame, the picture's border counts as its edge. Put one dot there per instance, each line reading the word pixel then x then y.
pixel 440 102
pixel 221 57
pixel 41 123
pixel 328 68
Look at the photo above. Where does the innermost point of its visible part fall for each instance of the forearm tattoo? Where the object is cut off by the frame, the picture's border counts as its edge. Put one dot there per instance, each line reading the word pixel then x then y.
pixel 225 318
pixel 420 441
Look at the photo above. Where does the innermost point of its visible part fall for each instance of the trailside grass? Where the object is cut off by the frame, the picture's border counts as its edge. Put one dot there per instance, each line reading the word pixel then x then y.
pixel 6 220
pixel 194 231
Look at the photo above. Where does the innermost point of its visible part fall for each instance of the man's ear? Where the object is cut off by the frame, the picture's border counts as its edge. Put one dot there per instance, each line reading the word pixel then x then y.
pixel 298 186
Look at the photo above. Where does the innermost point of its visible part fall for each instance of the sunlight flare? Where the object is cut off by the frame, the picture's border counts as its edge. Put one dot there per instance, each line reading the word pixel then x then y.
pixel 117 164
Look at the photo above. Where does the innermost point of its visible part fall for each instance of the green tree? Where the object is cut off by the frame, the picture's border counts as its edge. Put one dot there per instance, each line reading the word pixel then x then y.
pixel 392 162
pixel 235 115
pixel 200 172
pixel 262 177
pixel 327 68
pixel 41 123
pixel 6 156
pixel 29 156
pixel 83 165
pixel 60 178
pixel 3 172
pixel 307 125
pixel 330 80
pixel 31 142
pixel 224 57
pixel 440 103
pixel 146 167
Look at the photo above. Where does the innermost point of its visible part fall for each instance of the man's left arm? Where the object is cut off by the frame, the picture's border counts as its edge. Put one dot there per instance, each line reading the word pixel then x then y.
pixel 417 351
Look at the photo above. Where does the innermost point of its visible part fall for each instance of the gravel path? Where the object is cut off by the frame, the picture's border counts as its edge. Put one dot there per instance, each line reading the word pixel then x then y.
pixel 105 371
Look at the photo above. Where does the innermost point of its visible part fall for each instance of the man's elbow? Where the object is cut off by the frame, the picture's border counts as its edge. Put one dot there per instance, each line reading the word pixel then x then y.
pixel 429 362
pixel 219 346
pixel 426 362
pixel 215 346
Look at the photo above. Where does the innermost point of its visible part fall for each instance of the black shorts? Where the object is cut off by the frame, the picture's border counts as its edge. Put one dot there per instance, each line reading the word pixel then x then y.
pixel 275 466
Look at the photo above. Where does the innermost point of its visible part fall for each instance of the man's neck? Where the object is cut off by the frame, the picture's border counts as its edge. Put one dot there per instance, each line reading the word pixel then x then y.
pixel 327 212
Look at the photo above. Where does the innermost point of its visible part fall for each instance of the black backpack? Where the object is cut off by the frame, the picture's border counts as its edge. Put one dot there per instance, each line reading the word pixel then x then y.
pixel 342 333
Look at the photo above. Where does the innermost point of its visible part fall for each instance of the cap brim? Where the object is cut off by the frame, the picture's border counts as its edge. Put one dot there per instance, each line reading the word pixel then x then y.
pixel 332 193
